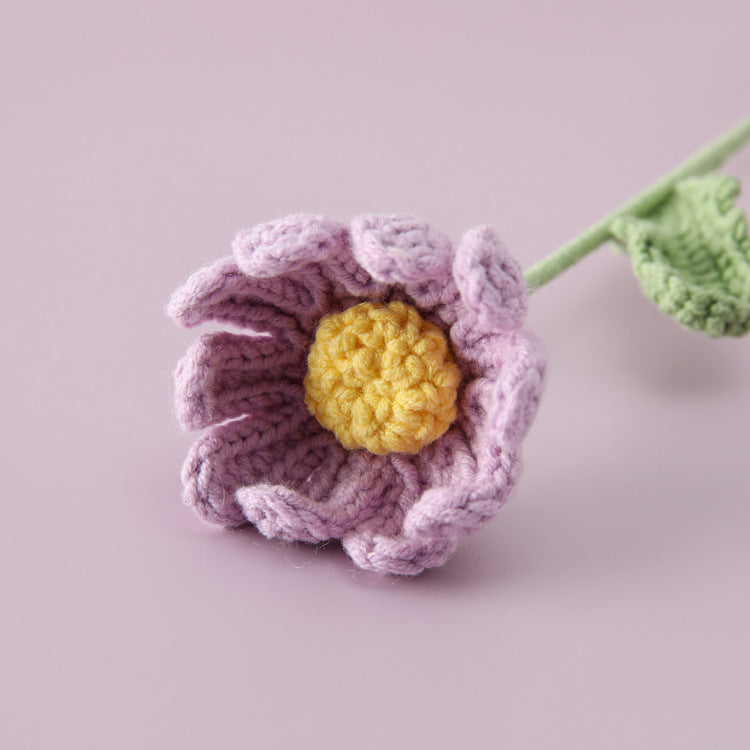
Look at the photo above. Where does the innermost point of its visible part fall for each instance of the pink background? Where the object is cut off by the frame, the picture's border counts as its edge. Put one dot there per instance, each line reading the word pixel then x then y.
pixel 607 606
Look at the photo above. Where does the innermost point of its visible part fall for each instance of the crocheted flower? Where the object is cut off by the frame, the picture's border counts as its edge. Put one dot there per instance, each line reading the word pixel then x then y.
pixel 381 397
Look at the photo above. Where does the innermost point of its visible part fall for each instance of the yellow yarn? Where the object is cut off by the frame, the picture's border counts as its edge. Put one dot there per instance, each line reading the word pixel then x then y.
pixel 381 378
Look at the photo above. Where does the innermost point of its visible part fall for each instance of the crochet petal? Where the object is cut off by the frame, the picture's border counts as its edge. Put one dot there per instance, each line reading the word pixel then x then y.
pixel 437 300
pixel 518 390
pixel 284 446
pixel 349 281
pixel 287 307
pixel 489 279
pixel 485 351
pixel 285 246
pixel 398 555
pixel 305 245
pixel 282 513
pixel 468 476
pixel 449 460
pixel 377 490
pixel 452 512
pixel 508 371
pixel 400 249
pixel 224 375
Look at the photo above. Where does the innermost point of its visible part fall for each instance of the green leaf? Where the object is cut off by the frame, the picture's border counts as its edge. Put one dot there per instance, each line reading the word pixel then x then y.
pixel 692 255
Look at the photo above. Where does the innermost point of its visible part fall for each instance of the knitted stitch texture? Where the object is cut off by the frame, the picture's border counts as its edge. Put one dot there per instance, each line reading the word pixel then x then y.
pixel 692 255
pixel 265 459
pixel 381 378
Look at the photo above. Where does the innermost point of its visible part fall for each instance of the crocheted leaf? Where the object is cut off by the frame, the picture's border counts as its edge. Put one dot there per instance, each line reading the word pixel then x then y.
pixel 692 255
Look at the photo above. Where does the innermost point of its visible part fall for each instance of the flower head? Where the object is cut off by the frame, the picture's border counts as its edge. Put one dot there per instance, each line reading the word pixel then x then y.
pixel 382 395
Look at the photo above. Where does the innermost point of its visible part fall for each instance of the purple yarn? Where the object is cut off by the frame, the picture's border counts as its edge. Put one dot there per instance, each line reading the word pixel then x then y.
pixel 267 461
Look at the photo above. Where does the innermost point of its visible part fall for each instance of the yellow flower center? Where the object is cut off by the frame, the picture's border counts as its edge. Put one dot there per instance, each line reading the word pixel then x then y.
pixel 381 378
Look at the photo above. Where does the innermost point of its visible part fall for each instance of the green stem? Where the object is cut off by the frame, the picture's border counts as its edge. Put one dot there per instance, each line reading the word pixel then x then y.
pixel 708 158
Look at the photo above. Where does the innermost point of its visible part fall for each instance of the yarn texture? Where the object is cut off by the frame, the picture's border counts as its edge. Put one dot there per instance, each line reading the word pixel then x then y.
pixel 692 255
pixel 381 378
pixel 379 334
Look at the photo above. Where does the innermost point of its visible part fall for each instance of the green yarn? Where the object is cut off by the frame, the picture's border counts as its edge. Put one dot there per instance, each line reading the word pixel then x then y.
pixel 692 255
pixel 703 161
pixel 687 240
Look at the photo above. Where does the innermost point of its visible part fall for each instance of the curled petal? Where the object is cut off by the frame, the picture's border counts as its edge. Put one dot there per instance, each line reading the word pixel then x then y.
pixel 288 245
pixel 286 307
pixel 489 280
pixel 282 513
pixel 224 375
pixel 398 555
pixel 448 460
pixel 377 490
pixel 452 512
pixel 437 301
pixel 518 389
pixel 400 249
pixel 485 352
pixel 349 279
pixel 306 245
pixel 508 377
pixel 468 476
pixel 283 446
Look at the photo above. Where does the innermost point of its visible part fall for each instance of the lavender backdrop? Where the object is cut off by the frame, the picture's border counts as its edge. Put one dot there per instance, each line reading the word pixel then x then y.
pixel 607 606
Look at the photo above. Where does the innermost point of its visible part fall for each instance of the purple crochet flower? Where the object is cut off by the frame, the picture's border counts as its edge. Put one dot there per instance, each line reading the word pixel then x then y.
pixel 266 460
